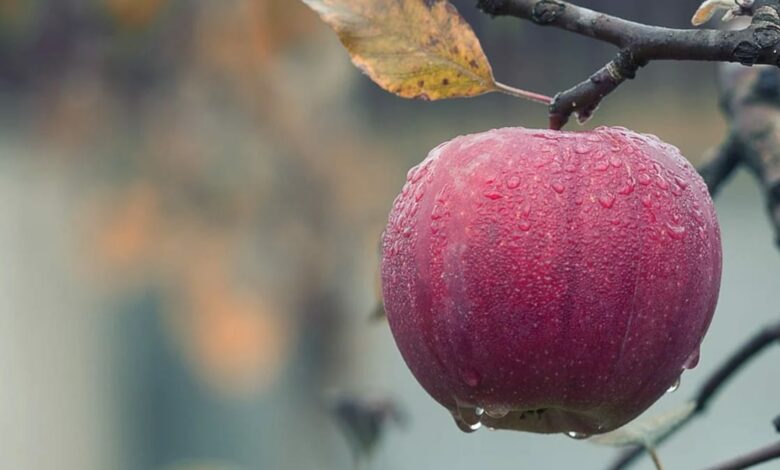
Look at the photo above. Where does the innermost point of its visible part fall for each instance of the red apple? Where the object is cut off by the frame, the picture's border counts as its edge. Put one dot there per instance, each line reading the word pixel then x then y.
pixel 551 281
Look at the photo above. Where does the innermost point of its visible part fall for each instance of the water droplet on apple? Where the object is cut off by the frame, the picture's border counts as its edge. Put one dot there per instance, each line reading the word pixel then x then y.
pixel 416 173
pixel 497 412
pixel 513 182
pixel 581 149
pixel 676 232
pixel 627 189
pixel 607 201
pixel 674 386
pixel 437 212
pixel 577 435
pixel 558 188
pixel 471 377
pixel 692 361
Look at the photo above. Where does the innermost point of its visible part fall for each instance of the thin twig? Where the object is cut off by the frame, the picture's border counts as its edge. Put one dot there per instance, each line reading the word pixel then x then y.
pixel 757 44
pixel 656 458
pixel 762 455
pixel 728 370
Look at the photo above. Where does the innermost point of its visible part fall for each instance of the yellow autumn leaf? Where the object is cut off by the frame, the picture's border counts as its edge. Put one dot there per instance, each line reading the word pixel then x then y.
pixel 418 49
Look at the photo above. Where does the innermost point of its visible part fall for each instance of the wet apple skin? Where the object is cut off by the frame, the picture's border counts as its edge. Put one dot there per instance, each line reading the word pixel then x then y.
pixel 561 281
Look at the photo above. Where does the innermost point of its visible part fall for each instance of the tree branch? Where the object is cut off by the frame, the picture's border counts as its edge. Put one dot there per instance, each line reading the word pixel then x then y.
pixel 740 358
pixel 751 102
pixel 640 43
pixel 764 454
pixel 719 165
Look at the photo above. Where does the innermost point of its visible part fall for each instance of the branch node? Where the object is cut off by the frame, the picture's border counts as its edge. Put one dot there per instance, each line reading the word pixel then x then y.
pixel 766 14
pixel 492 7
pixel 747 53
pixel 626 65
pixel 547 11
pixel 767 36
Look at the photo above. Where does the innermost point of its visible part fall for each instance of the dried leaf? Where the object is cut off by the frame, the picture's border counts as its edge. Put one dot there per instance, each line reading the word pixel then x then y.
pixel 414 48
pixel 708 9
pixel 646 432
pixel 364 421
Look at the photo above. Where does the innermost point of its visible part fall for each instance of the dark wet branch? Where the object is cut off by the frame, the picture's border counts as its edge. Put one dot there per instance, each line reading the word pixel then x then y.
pixel 759 456
pixel 640 43
pixel 584 98
pixel 727 371
pixel 719 165
pixel 751 103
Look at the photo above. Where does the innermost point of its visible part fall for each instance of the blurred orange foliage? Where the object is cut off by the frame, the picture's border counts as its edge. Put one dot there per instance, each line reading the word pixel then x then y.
pixel 235 198
pixel 134 14
pixel 131 229
pixel 238 342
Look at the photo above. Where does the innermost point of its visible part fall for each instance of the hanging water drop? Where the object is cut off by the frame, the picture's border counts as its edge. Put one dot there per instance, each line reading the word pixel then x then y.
pixel 468 418
pixel 577 435
pixel 674 386
pixel 466 427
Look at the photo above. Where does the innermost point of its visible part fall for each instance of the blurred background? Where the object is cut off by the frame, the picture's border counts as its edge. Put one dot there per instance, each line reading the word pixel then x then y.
pixel 191 197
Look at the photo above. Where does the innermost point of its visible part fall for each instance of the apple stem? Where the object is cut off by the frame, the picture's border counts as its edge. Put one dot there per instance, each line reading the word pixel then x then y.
pixel 527 95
